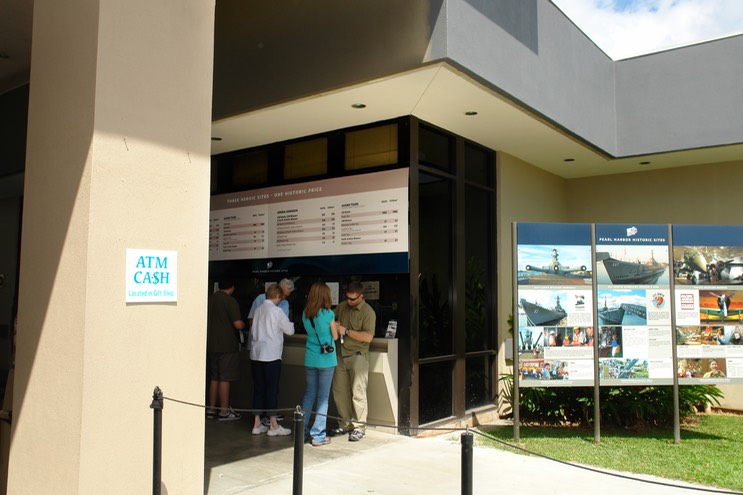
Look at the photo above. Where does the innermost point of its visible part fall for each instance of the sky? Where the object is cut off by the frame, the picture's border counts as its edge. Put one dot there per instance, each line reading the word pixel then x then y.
pixel 627 28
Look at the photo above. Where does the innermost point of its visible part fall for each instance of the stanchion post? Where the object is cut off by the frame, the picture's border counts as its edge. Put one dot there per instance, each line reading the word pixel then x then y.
pixel 157 437
pixel 467 442
pixel 298 451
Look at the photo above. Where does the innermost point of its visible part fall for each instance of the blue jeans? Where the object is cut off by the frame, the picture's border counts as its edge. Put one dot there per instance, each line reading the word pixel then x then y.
pixel 266 377
pixel 318 387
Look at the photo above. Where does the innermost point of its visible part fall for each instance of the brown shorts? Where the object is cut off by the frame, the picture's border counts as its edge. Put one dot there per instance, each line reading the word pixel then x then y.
pixel 224 366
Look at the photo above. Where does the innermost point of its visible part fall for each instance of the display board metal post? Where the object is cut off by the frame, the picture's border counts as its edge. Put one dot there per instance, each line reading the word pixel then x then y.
pixel 596 385
pixel 515 396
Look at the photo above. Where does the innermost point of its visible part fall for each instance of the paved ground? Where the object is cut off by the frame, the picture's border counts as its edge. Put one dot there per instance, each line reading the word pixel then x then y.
pixel 240 463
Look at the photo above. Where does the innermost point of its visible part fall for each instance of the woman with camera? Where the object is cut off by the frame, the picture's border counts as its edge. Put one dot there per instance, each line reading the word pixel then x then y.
pixel 319 360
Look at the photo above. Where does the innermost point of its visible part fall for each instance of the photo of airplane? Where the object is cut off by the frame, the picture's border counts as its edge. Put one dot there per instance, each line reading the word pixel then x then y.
pixel 557 268
pixel 714 306
pixel 696 266
pixel 564 265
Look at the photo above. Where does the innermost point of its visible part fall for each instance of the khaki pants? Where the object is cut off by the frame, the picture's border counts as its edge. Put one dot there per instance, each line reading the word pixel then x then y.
pixel 349 390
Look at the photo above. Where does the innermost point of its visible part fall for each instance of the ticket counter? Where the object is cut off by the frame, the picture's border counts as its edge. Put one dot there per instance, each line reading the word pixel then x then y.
pixel 382 393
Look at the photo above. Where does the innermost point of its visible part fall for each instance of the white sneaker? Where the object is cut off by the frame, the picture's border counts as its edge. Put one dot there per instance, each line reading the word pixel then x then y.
pixel 260 429
pixel 279 432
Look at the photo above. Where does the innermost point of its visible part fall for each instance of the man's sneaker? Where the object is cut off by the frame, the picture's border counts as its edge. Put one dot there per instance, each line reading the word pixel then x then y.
pixel 260 429
pixel 230 416
pixel 336 432
pixel 355 436
pixel 324 441
pixel 279 432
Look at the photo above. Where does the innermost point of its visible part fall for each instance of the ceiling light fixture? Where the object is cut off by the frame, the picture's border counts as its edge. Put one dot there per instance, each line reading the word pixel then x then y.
pixel 644 163
pixel 358 105
pixel 569 160
pixel 471 112
pixel 215 138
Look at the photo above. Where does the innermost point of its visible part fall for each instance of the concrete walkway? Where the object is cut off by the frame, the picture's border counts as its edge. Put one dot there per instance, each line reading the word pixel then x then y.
pixel 240 463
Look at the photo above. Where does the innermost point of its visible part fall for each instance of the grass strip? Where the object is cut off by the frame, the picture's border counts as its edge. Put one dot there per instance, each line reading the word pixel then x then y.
pixel 710 452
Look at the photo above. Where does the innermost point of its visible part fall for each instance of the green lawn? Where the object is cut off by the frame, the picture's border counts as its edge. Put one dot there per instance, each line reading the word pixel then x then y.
pixel 710 452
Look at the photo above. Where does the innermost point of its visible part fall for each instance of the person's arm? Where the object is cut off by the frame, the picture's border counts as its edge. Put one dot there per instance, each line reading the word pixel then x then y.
pixel 334 329
pixel 366 332
pixel 238 324
pixel 360 335
pixel 284 305
pixel 286 326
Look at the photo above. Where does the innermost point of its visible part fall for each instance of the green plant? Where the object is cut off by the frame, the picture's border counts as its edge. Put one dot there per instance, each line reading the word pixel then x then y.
pixel 624 407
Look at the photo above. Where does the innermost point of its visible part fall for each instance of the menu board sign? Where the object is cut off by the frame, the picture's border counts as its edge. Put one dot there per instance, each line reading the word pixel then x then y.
pixel 334 217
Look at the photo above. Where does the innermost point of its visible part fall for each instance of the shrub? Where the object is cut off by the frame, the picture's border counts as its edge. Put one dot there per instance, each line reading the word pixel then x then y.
pixel 626 407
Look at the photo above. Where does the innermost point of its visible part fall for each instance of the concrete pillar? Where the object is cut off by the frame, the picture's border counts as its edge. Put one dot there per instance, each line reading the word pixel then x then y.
pixel 117 158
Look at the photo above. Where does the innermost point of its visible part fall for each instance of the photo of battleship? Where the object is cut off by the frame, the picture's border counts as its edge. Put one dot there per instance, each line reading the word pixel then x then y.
pixel 631 265
pixel 542 315
pixel 622 307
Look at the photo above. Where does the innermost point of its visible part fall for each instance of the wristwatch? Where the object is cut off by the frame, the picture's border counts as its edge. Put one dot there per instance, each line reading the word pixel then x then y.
pixel 346 332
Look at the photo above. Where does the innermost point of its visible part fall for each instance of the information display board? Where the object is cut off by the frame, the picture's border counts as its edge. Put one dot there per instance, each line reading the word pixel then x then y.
pixel 647 285
pixel 634 311
pixel 708 273
pixel 555 315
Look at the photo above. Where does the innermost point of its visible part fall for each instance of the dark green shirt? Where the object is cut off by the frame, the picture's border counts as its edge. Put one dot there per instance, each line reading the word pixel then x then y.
pixel 221 335
pixel 361 318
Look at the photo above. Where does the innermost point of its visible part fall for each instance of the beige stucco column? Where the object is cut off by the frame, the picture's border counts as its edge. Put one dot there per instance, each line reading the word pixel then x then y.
pixel 118 158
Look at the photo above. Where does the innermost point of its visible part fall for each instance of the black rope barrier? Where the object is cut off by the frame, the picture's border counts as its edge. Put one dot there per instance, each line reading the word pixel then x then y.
pixel 467 448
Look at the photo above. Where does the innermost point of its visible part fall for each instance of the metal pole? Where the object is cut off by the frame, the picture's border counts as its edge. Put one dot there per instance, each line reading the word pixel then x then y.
pixel 157 443
pixel 467 442
pixel 595 348
pixel 674 349
pixel 515 393
pixel 298 451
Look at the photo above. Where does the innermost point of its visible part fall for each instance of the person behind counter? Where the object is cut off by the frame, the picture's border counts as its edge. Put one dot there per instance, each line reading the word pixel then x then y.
pixel 287 287
pixel 319 360
pixel 357 322
pixel 270 324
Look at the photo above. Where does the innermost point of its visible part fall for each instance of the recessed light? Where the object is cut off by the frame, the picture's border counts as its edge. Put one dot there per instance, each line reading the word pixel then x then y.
pixel 569 160
pixel 358 105
pixel 644 163
pixel 471 112
pixel 215 138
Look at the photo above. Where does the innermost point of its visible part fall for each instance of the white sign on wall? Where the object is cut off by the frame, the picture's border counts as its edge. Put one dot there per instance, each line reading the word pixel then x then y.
pixel 151 276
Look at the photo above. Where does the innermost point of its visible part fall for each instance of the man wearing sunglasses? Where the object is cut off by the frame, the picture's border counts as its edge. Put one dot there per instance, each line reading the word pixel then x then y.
pixel 357 323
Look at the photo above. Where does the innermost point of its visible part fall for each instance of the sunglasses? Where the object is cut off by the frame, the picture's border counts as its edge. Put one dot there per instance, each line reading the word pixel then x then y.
pixel 353 298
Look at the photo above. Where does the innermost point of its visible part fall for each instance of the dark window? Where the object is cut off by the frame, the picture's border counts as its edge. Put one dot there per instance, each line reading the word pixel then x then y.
pixel 371 147
pixel 435 220
pixel 478 381
pixel 477 165
pixel 249 169
pixel 306 159
pixel 435 391
pixel 477 275
pixel 435 149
